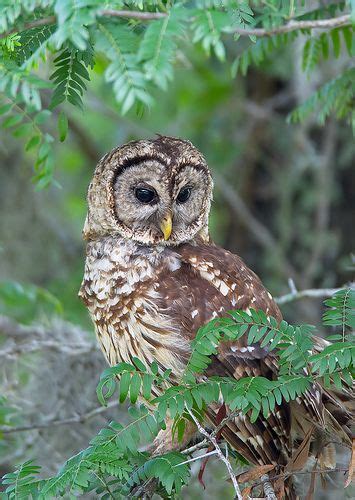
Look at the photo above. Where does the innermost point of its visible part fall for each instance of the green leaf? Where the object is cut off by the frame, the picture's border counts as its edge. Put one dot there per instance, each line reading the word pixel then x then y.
pixel 135 387
pixel 336 41
pixel 12 121
pixel 105 389
pixel 147 385
pixel 119 44
pixel 42 116
pixel 139 364
pixel 69 77
pixel 62 126
pixel 125 382
pixel 158 46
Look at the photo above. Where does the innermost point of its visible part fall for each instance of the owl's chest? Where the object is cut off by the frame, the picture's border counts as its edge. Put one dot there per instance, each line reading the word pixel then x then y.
pixel 121 291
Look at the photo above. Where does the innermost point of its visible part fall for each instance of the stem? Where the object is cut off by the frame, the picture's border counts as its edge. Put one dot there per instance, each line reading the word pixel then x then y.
pixel 311 293
pixel 148 16
pixel 213 440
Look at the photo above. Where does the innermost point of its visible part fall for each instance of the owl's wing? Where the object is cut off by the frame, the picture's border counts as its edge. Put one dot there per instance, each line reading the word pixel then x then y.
pixel 210 282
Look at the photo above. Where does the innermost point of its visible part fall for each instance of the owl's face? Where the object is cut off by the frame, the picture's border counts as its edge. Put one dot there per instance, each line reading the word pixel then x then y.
pixel 154 192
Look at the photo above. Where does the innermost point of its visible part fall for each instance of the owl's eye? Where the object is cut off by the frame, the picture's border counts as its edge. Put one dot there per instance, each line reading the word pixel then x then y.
pixel 184 194
pixel 145 195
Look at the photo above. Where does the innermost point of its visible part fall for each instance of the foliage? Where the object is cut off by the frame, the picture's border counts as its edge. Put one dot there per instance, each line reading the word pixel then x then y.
pixel 113 465
pixel 23 300
pixel 336 96
pixel 341 311
pixel 138 54
pixel 6 412
pixel 69 76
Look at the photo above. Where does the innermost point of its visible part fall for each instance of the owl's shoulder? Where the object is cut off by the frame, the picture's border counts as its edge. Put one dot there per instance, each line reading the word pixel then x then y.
pixel 230 275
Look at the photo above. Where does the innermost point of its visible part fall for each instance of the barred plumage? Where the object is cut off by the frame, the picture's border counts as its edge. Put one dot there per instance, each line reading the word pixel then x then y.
pixel 152 278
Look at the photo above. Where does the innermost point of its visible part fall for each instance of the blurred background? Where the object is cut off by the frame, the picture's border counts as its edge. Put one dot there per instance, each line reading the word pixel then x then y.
pixel 284 201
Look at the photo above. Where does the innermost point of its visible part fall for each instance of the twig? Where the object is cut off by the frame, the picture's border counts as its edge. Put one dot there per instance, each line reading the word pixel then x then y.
pixel 200 457
pixel 103 481
pixel 128 14
pixel 195 447
pixel 296 25
pixel 148 16
pixel 268 489
pixel 76 419
pixel 311 293
pixel 226 419
pixel 36 23
pixel 292 285
pixel 213 440
pixel 285 475
pixel 132 14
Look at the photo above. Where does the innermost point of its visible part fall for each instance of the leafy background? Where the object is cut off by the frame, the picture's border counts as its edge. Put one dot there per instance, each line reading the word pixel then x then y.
pixel 273 116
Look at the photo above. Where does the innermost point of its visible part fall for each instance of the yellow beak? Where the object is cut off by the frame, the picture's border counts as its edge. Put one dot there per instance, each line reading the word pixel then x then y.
pixel 166 225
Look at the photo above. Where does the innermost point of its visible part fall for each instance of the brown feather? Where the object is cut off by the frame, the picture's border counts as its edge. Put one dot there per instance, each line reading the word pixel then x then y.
pixel 148 297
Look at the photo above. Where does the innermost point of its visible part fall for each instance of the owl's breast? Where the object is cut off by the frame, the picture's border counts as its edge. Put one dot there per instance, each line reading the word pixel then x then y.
pixel 121 291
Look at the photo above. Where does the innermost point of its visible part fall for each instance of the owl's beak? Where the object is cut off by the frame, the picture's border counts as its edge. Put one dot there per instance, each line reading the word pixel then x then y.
pixel 166 225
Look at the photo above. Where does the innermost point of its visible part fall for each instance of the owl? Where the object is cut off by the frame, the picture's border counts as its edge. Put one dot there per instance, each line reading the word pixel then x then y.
pixel 153 277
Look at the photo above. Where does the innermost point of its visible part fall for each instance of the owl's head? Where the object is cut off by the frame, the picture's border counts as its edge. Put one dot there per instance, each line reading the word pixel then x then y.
pixel 152 192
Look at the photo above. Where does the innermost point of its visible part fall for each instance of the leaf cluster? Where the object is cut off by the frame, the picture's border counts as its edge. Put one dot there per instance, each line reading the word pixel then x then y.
pixel 139 55
pixel 113 464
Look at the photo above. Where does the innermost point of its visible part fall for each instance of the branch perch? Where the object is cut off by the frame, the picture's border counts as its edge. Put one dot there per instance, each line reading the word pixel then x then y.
pixel 220 454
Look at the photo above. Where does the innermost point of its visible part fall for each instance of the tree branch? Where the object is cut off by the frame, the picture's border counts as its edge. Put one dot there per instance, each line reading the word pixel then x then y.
pixel 311 293
pixel 324 182
pixel 24 339
pixel 213 440
pixel 36 23
pixel 296 25
pixel 76 419
pixel 131 14
pixel 127 14
pixel 195 447
pixel 148 16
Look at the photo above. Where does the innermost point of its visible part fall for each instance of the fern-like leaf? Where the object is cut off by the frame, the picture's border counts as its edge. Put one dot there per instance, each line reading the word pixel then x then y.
pixel 158 47
pixel 260 51
pixel 208 27
pixel 119 43
pixel 23 482
pixel 292 342
pixel 336 96
pixel 69 78
pixel 341 309
pixel 33 46
pixel 169 469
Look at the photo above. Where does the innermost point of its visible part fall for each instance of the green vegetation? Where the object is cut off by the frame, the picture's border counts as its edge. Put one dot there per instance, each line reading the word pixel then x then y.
pixel 140 47
pixel 266 90
pixel 113 464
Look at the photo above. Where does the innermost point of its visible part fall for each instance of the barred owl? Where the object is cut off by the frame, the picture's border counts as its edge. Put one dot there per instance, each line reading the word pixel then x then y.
pixel 153 277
